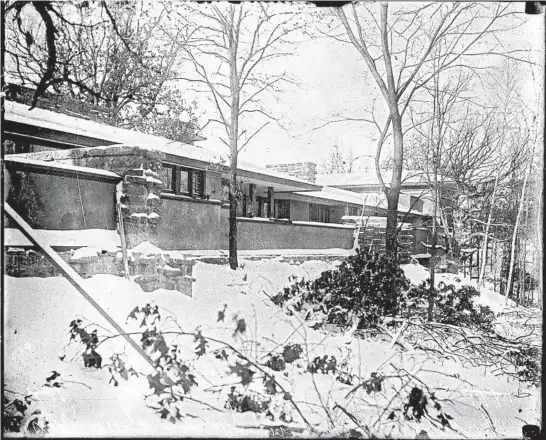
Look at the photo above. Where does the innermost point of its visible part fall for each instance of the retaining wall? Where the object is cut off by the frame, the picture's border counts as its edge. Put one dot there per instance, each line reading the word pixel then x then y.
pixel 150 271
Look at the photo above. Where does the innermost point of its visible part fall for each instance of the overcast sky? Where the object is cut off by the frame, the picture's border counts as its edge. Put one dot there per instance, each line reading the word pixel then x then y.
pixel 333 79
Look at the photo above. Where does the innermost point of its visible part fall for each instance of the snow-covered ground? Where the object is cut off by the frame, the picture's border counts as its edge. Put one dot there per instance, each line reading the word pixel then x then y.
pixel 38 312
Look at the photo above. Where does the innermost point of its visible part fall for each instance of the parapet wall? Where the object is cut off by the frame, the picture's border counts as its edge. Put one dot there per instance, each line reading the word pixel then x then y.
pixel 141 187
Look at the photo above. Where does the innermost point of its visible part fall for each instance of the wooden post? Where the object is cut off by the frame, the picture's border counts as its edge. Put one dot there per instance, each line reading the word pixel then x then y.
pixel 123 242
pixel 270 202
pixel 72 276
pixel 251 202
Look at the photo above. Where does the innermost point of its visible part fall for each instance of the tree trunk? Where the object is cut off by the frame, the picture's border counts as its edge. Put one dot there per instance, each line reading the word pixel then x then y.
pixel 432 291
pixel 515 235
pixel 484 253
pixel 391 234
pixel 233 263
pixel 540 242
pixel 391 239
pixel 234 151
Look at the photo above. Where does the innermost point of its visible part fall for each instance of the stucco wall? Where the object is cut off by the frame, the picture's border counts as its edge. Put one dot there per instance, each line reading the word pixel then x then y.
pixel 48 201
pixel 257 234
pixel 187 224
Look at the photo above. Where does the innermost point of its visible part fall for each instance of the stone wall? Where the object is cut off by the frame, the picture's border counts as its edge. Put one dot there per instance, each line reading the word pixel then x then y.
pixel 151 272
pixel 303 170
pixel 373 237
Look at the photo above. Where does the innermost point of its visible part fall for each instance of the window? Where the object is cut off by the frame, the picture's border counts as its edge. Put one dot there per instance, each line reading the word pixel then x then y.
pixel 416 204
pixel 353 211
pixel 197 183
pixel 282 209
pixel 319 213
pixel 184 187
pixel 184 181
pixel 262 203
pixel 166 177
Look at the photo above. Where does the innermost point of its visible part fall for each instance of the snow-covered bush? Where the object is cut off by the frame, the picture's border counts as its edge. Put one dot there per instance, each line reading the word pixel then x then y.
pixel 367 286
pixel 452 305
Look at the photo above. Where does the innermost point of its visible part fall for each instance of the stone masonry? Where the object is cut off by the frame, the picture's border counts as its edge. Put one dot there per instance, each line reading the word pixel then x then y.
pixel 302 170
pixel 151 272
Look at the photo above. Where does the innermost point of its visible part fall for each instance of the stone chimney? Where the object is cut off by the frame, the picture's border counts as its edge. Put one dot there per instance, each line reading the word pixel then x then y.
pixel 302 170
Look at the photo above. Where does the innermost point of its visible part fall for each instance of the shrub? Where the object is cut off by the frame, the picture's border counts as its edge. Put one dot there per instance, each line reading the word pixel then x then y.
pixel 367 285
pixel 20 416
pixel 452 305
pixel 527 363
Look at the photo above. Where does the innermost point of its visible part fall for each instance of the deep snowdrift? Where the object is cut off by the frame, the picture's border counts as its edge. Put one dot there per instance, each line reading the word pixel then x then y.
pixel 38 312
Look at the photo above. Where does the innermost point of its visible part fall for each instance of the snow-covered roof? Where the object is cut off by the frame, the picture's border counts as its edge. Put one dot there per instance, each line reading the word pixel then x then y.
pixel 14 159
pixel 17 112
pixel 409 177
pixel 379 200
pixel 371 200
pixel 335 194
pixel 256 169
pixel 58 121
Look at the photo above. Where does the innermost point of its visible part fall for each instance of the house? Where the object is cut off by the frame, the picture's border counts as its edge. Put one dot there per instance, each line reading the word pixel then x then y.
pixel 416 202
pixel 66 171
pixel 173 194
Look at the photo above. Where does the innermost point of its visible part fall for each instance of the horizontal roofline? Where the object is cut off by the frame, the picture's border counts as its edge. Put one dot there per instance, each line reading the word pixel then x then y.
pixel 50 167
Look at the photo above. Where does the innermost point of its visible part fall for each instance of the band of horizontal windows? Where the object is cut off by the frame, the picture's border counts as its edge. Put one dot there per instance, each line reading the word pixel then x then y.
pixel 183 181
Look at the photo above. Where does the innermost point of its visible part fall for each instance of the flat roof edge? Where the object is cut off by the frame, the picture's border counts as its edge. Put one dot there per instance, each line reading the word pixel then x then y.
pixel 56 168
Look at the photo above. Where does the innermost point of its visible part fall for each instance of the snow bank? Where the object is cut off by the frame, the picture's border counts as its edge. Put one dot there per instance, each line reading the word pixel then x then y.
pixel 85 254
pixel 146 248
pixel 39 310
pixel 415 273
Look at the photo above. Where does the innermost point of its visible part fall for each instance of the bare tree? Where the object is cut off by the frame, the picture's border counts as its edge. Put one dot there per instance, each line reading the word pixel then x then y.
pixel 107 54
pixel 481 279
pixel 340 160
pixel 404 51
pixel 228 47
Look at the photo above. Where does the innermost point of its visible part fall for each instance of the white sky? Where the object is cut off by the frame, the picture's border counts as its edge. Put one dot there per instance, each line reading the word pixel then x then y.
pixel 333 80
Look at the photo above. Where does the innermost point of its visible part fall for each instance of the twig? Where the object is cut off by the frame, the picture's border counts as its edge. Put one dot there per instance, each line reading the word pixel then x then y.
pixel 354 420
pixel 490 420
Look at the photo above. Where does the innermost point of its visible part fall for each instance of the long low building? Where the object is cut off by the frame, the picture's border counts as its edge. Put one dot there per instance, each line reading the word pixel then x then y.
pixel 64 172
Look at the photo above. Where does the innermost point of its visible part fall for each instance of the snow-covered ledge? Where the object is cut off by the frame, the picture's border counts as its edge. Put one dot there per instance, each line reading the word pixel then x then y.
pixel 294 223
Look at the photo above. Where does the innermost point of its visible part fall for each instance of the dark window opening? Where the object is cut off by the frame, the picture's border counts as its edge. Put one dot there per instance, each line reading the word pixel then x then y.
pixel 184 181
pixel 353 211
pixel 416 204
pixel 282 209
pixel 319 213
pixel 197 183
pixel 167 177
